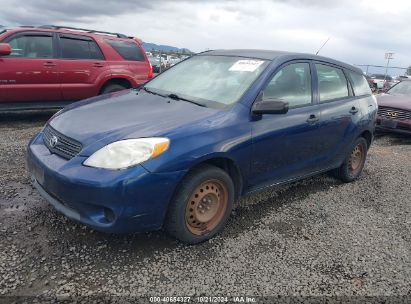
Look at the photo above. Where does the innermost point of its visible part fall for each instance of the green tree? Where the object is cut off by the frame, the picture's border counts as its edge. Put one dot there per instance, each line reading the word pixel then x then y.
pixel 409 70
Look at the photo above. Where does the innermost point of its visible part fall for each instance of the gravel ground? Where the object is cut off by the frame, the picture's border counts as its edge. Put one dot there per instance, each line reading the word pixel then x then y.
pixel 311 238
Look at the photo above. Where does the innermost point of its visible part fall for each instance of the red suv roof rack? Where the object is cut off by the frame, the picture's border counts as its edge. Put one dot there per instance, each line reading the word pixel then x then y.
pixel 57 27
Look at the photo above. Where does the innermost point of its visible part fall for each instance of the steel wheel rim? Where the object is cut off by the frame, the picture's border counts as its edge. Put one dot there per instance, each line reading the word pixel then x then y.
pixel 356 159
pixel 206 207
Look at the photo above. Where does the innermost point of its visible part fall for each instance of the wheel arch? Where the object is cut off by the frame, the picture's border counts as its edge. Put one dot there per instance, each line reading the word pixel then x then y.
pixel 119 80
pixel 228 165
pixel 367 135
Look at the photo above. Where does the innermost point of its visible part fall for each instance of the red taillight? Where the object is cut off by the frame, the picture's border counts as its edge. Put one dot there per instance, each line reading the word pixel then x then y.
pixel 150 72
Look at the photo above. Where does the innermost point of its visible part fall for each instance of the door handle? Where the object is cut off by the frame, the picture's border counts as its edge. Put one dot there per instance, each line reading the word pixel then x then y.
pixel 313 118
pixel 353 110
pixel 49 64
pixel 98 65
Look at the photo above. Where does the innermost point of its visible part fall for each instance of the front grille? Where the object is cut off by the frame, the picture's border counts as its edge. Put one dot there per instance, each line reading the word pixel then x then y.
pixel 60 144
pixel 392 113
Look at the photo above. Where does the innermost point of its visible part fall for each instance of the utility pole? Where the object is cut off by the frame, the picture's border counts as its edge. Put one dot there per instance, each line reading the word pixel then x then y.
pixel 388 56
pixel 161 59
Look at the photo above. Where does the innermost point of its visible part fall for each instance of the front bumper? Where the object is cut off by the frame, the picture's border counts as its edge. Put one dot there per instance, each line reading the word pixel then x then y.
pixel 393 125
pixel 121 201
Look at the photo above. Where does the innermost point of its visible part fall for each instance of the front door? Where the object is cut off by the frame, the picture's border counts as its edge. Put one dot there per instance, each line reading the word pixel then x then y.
pixel 286 145
pixel 30 72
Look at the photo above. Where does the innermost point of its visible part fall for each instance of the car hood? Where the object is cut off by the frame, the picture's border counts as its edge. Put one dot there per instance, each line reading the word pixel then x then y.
pixel 394 101
pixel 128 114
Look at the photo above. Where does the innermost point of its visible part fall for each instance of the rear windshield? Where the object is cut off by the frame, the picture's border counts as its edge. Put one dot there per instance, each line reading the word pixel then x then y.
pixel 127 50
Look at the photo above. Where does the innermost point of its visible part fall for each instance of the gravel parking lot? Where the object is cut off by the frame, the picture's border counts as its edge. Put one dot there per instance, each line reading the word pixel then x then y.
pixel 311 238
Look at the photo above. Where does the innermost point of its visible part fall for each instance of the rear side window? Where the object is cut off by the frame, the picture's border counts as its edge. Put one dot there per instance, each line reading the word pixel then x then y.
pixel 72 48
pixel 359 83
pixel 127 50
pixel 31 46
pixel 332 83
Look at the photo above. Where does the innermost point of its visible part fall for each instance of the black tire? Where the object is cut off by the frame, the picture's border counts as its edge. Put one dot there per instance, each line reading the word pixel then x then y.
pixel 346 172
pixel 110 88
pixel 184 208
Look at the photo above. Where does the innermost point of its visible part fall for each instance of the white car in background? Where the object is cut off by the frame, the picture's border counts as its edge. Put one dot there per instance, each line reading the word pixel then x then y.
pixel 173 60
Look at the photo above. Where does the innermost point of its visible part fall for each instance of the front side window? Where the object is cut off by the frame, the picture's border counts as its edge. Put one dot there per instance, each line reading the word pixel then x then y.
pixel 72 48
pixel 127 50
pixel 292 84
pixel 215 81
pixel 31 46
pixel 332 83
pixel 360 84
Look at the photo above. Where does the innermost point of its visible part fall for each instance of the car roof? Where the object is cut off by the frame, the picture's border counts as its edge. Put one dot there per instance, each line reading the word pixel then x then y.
pixel 69 30
pixel 278 55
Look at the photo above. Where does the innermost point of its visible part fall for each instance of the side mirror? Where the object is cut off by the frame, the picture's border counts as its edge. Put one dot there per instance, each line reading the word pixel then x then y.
pixel 270 107
pixel 5 49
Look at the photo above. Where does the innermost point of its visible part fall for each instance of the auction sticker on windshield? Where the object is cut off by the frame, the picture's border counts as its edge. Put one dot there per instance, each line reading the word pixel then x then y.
pixel 246 65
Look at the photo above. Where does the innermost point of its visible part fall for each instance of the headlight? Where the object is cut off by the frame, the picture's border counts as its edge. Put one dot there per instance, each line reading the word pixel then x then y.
pixel 127 153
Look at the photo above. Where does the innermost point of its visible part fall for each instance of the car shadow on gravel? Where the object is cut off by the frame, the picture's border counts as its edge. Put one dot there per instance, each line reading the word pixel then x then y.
pixel 393 139
pixel 34 116
pixel 65 236
pixel 253 208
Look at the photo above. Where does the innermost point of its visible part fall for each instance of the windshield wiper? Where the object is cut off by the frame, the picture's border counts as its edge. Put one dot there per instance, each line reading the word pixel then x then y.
pixel 173 96
pixel 152 92
pixel 176 97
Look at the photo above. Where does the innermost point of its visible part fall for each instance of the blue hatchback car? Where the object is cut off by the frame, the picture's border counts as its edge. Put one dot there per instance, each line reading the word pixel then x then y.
pixel 180 151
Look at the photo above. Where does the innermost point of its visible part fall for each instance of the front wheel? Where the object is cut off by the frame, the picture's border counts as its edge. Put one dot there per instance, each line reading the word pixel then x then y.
pixel 201 206
pixel 354 162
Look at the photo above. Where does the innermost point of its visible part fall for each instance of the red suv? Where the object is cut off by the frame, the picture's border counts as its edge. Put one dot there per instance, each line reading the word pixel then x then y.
pixel 50 66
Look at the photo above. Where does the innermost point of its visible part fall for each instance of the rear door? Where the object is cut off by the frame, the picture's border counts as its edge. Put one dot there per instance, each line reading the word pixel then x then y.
pixel 82 67
pixel 340 113
pixel 30 72
pixel 286 146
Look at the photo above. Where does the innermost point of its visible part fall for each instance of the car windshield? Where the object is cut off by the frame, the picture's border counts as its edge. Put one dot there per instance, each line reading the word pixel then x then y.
pixel 212 81
pixel 402 88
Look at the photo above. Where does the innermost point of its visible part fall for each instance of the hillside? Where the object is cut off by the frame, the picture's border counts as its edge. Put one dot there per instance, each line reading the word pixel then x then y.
pixel 165 48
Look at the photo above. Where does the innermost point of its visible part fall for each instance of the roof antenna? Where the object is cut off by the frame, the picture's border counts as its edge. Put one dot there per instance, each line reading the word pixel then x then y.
pixel 323 45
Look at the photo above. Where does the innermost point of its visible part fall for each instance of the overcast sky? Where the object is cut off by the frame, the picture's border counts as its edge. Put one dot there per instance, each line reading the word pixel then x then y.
pixel 361 31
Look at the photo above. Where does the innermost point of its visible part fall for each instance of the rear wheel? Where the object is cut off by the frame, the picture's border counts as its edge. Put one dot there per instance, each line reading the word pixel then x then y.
pixel 201 206
pixel 353 164
pixel 110 88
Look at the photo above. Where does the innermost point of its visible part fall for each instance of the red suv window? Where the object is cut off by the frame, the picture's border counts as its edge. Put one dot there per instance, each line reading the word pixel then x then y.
pixel 79 48
pixel 32 46
pixel 127 50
